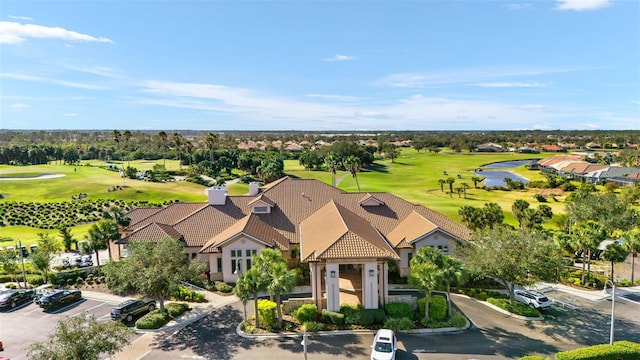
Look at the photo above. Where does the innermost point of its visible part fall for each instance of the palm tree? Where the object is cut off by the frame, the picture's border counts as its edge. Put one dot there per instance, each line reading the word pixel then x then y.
pixel 476 180
pixel 451 270
pixel 282 281
pixel 465 186
pixel 188 147
pixel 352 163
pixel 254 281
pixel 632 245
pixel 212 143
pixel 614 253
pixel 243 291
pixel 586 237
pixel 176 138
pixel 442 182
pixel 450 180
pixel 425 273
pixel 162 137
pixel 100 236
pixel 333 162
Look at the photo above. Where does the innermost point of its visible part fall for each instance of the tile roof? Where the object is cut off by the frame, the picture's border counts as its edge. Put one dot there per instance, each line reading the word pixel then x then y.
pixel 297 202
pixel 252 226
pixel 348 236
pixel 152 232
pixel 139 214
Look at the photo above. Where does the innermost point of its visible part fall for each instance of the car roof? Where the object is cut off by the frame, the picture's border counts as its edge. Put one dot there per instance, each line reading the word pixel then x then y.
pixel 384 333
pixel 127 302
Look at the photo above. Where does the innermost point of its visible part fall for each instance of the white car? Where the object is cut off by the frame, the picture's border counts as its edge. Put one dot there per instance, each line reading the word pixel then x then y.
pixel 533 299
pixel 384 345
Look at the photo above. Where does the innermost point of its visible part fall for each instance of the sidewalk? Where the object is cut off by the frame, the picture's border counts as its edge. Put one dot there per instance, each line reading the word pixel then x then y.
pixel 142 346
pixel 591 295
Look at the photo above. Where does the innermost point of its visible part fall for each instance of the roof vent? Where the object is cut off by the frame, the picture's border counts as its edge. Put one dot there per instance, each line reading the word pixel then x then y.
pixel 254 188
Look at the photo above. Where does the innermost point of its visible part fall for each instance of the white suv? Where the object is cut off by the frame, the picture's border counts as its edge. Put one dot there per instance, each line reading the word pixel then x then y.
pixel 533 299
pixel 384 345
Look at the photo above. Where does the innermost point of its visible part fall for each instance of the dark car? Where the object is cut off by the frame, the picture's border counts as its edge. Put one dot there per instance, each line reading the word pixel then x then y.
pixel 59 298
pixel 132 308
pixel 9 299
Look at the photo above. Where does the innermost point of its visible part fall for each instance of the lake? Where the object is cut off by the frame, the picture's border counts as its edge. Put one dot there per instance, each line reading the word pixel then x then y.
pixel 496 177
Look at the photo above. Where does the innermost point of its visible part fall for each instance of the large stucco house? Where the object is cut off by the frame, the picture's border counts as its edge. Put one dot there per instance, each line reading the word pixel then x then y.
pixel 334 231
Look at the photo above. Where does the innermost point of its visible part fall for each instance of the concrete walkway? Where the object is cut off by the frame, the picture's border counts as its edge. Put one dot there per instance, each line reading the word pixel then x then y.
pixel 141 346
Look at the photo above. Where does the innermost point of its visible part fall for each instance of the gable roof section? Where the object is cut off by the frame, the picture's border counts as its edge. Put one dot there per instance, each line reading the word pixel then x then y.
pixel 252 226
pixel 138 214
pixel 169 215
pixel 411 228
pixel 369 200
pixel 349 236
pixel 152 232
pixel 262 198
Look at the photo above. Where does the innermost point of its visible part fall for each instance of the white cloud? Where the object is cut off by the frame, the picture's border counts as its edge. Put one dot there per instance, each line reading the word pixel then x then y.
pixel 469 76
pixel 334 97
pixel 72 84
pixel 24 18
pixel 19 106
pixel 581 5
pixel 339 57
pixel 511 84
pixel 15 33
pixel 95 70
pixel 518 6
pixel 533 107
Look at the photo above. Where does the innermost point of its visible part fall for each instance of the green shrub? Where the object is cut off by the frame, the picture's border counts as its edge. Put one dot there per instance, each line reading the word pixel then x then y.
pixel 515 308
pixel 398 324
pixel 437 307
pixel 11 286
pixel 153 320
pixel 223 287
pixel 176 309
pixel 399 310
pixel 306 313
pixel 35 280
pixel 457 320
pixel 377 315
pixel 352 314
pixel 626 350
pixel 332 317
pixel 533 357
pixel 267 313
pixel 313 326
pixel 4 278
pixel 186 294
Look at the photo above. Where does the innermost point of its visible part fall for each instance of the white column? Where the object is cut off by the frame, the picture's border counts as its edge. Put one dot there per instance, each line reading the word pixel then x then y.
pixel 370 286
pixel 332 283
pixel 316 284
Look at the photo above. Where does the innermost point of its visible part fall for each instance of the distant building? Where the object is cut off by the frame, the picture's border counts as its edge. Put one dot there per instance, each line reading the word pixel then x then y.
pixel 489 147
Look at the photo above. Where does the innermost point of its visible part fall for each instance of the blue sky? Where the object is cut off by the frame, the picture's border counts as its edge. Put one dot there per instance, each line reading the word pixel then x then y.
pixel 320 65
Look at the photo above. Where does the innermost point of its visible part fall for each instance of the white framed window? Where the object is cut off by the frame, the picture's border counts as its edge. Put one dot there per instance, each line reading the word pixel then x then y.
pixel 261 209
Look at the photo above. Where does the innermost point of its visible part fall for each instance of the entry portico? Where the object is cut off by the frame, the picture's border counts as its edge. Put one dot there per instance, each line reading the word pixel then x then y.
pixel 349 240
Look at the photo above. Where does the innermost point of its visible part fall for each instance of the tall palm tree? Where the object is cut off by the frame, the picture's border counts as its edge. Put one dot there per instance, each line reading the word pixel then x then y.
pixel 425 273
pixel 282 281
pixel 100 236
pixel 162 138
pixel 441 182
pixel 465 186
pixel 450 180
pixel 188 147
pixel 614 253
pixel 586 237
pixel 352 163
pixel 243 291
pixel 451 270
pixel 632 245
pixel 212 142
pixel 177 140
pixel 332 161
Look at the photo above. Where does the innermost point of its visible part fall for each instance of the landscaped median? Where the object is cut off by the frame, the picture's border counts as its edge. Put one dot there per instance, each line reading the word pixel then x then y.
pixel 157 318
pixel 397 316
pixel 620 350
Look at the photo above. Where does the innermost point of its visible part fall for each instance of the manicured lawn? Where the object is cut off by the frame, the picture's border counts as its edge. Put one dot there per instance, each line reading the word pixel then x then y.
pixel 141 165
pixel 414 177
pixel 29 235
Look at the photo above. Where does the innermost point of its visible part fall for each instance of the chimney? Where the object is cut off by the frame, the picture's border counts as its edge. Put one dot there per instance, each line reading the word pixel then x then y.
pixel 254 188
pixel 217 195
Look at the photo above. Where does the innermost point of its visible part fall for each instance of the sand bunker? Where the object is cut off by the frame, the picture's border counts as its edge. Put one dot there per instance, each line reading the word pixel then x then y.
pixel 40 177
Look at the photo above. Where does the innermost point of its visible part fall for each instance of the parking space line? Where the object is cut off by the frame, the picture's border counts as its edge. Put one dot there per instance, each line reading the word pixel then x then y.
pixel 87 310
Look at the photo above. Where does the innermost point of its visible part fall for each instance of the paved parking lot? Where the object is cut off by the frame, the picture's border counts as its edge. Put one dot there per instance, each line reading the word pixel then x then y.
pixel 28 323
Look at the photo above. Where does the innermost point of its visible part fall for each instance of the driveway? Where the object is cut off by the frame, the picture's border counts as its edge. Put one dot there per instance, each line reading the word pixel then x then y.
pixel 492 336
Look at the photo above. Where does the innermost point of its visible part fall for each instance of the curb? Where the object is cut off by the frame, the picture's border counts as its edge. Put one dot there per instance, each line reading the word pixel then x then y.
pixel 510 314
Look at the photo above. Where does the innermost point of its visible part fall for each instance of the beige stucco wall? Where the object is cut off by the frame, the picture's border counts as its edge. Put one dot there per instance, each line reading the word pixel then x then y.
pixel 241 243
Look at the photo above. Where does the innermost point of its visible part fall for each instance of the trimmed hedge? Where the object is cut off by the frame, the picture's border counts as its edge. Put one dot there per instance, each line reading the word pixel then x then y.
pixel 186 294
pixel 352 314
pixel 398 324
pixel 267 313
pixel 313 326
pixel 378 316
pixel 533 357
pixel 437 307
pixel 517 308
pixel 306 313
pixel 157 319
pixel 620 350
pixel 332 317
pixel 399 310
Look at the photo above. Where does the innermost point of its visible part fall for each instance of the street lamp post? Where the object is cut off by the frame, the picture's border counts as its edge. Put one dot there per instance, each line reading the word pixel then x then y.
pixel 613 307
pixel 24 274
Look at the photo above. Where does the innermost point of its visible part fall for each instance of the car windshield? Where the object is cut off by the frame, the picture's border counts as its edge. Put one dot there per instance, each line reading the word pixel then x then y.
pixel 543 299
pixel 383 347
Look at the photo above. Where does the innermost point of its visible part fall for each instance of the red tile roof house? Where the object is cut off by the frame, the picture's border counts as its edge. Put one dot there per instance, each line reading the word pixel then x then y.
pixel 333 231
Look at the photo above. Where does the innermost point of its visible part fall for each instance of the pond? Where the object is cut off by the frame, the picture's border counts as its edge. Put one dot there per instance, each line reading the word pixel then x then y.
pixel 496 177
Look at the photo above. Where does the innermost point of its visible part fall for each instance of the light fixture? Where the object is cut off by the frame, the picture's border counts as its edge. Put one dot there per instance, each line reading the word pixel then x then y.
pixel 333 273
pixel 371 272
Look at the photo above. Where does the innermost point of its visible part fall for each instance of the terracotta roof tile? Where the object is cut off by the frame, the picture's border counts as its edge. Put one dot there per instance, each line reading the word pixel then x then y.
pixel 413 227
pixel 138 214
pixel 152 232
pixel 252 226
pixel 169 215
